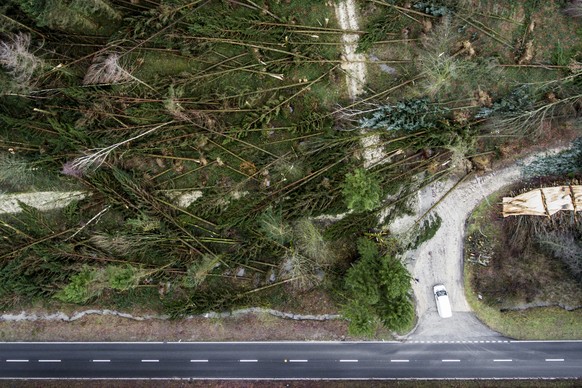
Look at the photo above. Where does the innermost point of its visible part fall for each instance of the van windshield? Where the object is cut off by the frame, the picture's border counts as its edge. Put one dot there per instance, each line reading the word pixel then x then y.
pixel 441 293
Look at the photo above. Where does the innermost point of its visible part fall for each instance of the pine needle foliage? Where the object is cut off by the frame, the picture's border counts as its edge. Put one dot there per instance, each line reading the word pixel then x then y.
pixel 378 289
pixel 272 225
pixel 361 191
pixel 122 278
pixel 69 14
pixel 79 290
pixel 15 171
pixel 200 270
pixel 309 240
pixel 407 116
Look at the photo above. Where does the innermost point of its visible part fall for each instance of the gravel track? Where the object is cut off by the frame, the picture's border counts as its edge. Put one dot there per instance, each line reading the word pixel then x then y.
pixel 440 260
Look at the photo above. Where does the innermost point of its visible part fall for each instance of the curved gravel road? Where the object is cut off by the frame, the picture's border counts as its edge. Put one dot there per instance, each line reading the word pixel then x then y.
pixel 440 260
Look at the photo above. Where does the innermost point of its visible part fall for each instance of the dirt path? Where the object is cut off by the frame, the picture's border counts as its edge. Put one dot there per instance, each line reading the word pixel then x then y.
pixel 354 65
pixel 440 260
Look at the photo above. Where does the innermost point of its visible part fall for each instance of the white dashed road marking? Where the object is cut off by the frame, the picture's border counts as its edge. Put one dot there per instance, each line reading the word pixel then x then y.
pixel 49 360
pixel 150 360
pixel 198 360
pixel 504 360
pixel 554 359
pixel 398 360
pixel 297 360
pixel 249 360
pixel 348 360
pixel 101 360
pixel 451 360
pixel 16 360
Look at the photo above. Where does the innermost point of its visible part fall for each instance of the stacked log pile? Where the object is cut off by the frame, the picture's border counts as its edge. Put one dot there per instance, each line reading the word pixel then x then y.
pixel 544 202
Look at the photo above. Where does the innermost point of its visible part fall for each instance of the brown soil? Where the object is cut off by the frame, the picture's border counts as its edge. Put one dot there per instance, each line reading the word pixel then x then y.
pixel 261 327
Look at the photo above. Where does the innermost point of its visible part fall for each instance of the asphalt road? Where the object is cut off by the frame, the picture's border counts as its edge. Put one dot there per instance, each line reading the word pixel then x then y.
pixel 293 360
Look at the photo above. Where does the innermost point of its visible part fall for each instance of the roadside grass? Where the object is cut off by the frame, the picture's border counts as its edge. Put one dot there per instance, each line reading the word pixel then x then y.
pixel 479 220
pixel 541 323
pixel 483 239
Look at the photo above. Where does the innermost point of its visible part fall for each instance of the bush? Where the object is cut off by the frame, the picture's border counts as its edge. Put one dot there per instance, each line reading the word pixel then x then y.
pixel 367 249
pixel 79 288
pixel 121 278
pixel 362 319
pixel 361 191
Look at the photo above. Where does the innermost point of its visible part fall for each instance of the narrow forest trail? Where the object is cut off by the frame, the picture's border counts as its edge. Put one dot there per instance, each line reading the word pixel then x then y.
pixel 354 66
pixel 353 63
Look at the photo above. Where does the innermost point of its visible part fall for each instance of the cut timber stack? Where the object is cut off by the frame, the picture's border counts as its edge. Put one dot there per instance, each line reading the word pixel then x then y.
pixel 544 202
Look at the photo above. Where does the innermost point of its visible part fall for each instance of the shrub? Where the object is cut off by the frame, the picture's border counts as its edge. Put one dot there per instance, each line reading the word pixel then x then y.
pixel 361 191
pixel 121 278
pixel 362 320
pixel 367 249
pixel 79 289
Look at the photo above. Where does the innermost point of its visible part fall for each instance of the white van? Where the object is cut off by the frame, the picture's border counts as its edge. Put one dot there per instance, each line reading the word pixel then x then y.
pixel 442 301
